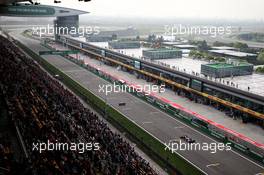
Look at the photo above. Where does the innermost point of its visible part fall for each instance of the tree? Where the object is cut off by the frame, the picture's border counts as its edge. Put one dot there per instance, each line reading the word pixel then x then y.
pixel 261 57
pixel 260 70
pixel 151 38
pixel 160 39
pixel 240 45
pixel 217 43
pixel 114 36
pixel 192 53
pixel 202 45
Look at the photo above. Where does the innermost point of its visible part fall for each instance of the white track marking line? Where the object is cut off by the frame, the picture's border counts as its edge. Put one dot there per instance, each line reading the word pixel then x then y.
pixel 147 122
pixel 178 127
pixel 213 165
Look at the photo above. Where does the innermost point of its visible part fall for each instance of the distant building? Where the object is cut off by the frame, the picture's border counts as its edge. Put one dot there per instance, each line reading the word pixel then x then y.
pixel 98 38
pixel 156 54
pixel 220 70
pixel 250 57
pixel 124 44
pixel 185 46
pixel 223 48
pixel 129 32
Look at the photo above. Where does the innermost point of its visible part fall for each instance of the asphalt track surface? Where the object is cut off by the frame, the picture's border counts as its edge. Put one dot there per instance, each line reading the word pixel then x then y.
pixel 157 123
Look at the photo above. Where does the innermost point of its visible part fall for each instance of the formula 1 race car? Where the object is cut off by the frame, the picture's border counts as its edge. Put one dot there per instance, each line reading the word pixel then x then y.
pixel 187 139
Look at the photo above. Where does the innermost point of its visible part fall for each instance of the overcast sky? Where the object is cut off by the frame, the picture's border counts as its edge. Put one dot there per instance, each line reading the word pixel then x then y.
pixel 223 9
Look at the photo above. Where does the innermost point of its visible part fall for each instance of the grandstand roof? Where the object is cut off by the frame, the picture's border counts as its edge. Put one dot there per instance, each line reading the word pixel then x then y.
pixel 223 48
pixel 163 50
pixel 23 10
pixel 233 53
pixel 185 46
pixel 4 2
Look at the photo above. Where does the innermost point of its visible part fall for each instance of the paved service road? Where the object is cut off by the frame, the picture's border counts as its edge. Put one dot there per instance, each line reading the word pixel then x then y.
pixel 156 122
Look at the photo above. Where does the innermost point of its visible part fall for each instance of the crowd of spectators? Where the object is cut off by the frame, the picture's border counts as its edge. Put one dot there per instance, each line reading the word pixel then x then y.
pixel 43 109
pixel 6 154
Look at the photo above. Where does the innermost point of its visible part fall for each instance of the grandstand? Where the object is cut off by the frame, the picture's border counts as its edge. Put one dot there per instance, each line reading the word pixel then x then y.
pixel 42 109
